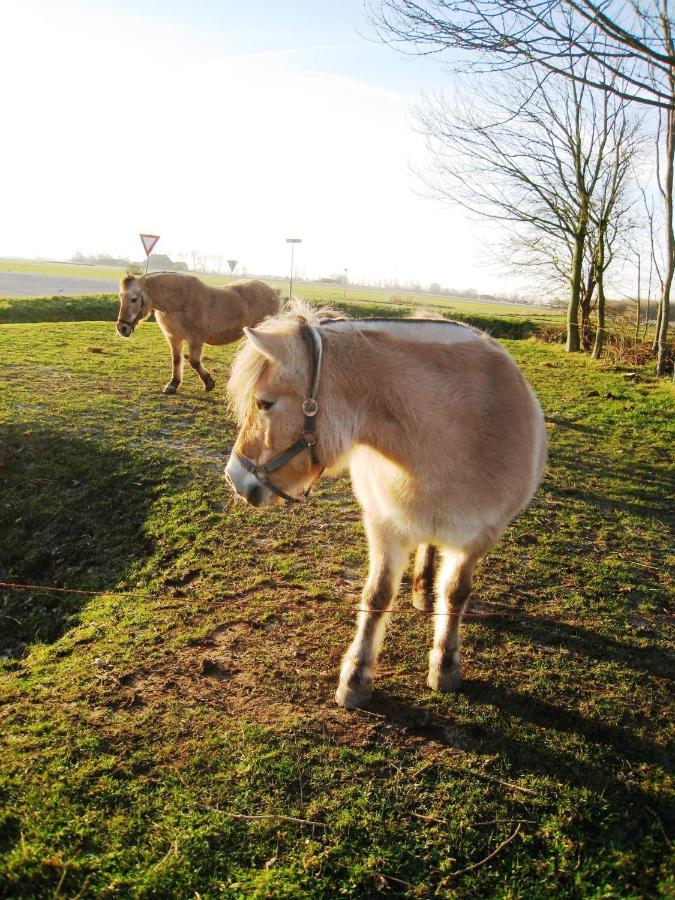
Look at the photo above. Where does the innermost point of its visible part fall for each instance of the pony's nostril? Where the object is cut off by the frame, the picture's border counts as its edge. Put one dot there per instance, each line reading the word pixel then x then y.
pixel 254 495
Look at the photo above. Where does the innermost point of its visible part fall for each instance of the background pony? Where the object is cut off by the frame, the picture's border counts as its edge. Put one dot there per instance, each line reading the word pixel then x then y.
pixel 186 309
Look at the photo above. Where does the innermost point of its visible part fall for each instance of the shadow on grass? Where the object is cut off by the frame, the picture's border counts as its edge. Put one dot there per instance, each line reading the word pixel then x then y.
pixel 624 742
pixel 71 516
pixel 652 660
pixel 602 766
pixel 625 488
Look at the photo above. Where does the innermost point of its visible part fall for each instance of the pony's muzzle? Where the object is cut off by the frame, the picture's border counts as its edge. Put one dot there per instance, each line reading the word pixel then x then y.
pixel 124 329
pixel 246 485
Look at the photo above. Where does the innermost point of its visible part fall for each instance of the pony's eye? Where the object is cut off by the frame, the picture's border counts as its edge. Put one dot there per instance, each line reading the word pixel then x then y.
pixel 264 404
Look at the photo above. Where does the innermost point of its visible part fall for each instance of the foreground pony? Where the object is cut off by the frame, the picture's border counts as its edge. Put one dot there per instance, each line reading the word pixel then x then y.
pixel 186 309
pixel 445 441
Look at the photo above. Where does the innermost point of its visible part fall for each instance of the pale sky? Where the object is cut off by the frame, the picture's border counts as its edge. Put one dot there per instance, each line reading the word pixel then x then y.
pixel 225 127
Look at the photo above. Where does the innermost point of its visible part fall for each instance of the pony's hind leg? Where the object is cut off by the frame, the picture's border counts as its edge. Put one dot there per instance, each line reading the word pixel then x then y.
pixel 196 363
pixel 452 592
pixel 424 571
pixel 387 561
pixel 176 345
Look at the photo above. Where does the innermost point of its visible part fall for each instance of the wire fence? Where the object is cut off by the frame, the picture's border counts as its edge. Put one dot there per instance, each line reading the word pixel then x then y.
pixel 503 609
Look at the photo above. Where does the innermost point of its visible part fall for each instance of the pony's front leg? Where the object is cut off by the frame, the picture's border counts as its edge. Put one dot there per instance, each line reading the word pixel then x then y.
pixel 196 363
pixel 387 561
pixel 452 592
pixel 176 345
pixel 424 579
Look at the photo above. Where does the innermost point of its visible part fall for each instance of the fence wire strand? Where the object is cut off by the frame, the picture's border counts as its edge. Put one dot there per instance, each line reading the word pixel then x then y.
pixel 505 608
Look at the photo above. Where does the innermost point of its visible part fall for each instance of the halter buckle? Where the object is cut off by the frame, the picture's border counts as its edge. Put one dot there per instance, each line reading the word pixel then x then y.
pixel 309 438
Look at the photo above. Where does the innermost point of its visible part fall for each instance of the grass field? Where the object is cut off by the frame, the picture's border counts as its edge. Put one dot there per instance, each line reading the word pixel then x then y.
pixel 313 291
pixel 139 725
pixel 105 308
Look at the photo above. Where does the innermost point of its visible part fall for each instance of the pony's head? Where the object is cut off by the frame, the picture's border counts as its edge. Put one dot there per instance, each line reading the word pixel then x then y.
pixel 276 455
pixel 135 304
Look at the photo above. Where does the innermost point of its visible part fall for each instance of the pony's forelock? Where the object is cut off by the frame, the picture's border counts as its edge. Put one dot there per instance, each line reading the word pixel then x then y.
pixel 249 364
pixel 247 368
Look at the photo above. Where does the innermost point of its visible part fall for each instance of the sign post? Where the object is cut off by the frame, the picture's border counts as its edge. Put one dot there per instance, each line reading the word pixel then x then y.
pixel 148 241
pixel 232 263
pixel 292 242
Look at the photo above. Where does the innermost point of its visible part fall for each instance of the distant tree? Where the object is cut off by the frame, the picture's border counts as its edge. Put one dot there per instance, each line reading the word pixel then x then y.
pixel 629 46
pixel 536 154
pixel 99 259
pixel 612 217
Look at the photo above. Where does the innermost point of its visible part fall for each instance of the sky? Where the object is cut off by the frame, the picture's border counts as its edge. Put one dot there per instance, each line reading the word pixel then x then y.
pixel 225 127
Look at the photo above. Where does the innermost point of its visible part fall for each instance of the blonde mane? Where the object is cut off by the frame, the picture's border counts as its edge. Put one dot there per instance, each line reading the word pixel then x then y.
pixel 249 364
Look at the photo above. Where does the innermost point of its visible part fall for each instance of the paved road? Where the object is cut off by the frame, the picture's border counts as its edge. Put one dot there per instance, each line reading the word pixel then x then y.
pixel 16 284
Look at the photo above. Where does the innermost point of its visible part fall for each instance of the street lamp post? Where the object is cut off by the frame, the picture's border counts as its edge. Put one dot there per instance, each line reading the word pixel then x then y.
pixel 344 287
pixel 292 242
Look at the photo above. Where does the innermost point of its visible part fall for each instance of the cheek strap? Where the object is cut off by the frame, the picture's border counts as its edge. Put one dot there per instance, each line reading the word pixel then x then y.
pixel 308 438
pixel 138 318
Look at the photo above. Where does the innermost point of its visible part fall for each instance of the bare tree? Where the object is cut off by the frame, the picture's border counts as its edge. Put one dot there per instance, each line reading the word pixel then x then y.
pixel 612 212
pixel 630 40
pixel 630 44
pixel 653 217
pixel 547 158
pixel 665 164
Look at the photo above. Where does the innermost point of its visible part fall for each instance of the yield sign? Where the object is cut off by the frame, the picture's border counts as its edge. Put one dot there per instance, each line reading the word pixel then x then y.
pixel 148 241
pixel 232 263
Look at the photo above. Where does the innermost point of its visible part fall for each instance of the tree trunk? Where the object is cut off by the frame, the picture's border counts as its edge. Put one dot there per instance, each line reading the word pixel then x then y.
pixel 655 343
pixel 573 344
pixel 662 331
pixel 585 308
pixel 600 276
pixel 637 314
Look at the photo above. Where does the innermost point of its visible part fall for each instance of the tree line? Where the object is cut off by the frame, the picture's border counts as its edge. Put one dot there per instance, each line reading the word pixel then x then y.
pixel 566 139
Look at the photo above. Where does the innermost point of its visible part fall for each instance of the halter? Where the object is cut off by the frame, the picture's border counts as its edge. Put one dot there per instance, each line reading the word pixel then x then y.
pixel 138 318
pixel 308 438
pixel 131 325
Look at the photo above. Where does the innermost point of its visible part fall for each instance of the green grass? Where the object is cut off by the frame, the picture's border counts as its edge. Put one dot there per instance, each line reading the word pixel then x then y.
pixel 84 308
pixel 199 684
pixel 316 292
pixel 61 269
pixel 104 307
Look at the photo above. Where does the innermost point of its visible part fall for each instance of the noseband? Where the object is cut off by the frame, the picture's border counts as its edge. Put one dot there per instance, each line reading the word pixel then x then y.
pixel 138 318
pixel 308 438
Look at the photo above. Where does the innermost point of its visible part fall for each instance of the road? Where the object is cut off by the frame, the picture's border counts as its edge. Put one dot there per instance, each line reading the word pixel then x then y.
pixel 17 284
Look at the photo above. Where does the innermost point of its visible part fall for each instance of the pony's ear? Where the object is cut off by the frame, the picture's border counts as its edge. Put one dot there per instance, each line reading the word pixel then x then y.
pixel 273 346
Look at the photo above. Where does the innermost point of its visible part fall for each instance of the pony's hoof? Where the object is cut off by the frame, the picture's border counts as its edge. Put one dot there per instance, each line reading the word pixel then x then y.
pixel 354 692
pixel 210 384
pixel 445 680
pixel 170 388
pixel 348 698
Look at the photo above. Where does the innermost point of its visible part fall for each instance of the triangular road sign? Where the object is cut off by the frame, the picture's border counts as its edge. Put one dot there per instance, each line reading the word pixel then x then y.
pixel 149 241
pixel 232 263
